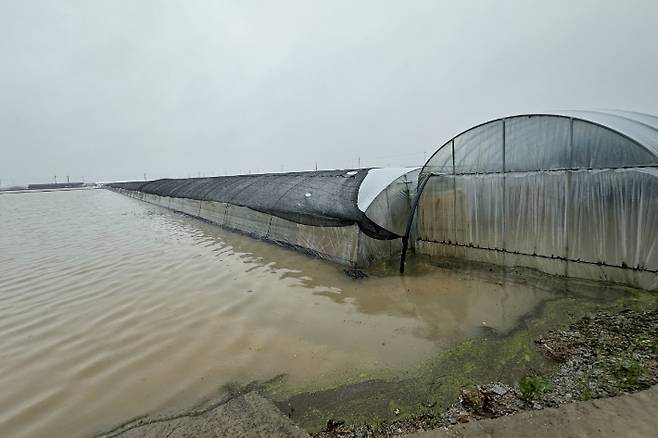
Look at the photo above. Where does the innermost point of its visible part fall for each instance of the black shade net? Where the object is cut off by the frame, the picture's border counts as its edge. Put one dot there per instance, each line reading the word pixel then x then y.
pixel 326 198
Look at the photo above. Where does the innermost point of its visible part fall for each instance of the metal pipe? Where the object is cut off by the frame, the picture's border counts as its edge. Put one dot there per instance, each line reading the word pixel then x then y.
pixel 405 238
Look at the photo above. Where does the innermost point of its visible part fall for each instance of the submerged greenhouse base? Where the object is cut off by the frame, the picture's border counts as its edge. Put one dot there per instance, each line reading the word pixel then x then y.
pixel 351 217
pixel 441 253
pixel 345 245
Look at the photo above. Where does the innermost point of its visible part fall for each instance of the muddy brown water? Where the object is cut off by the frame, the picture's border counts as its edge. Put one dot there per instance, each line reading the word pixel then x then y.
pixel 112 308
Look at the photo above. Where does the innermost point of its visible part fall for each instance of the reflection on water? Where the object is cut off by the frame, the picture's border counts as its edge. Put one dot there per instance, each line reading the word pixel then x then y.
pixel 112 308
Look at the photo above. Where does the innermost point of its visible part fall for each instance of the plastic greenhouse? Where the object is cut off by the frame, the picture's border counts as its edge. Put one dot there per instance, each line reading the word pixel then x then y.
pixel 572 193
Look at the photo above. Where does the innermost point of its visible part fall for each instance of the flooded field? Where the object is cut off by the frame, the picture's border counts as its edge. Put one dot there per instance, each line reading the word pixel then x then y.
pixel 111 308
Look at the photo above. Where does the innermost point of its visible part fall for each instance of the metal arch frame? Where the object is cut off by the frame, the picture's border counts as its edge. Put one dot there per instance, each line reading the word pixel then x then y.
pixel 557 115
pixel 405 238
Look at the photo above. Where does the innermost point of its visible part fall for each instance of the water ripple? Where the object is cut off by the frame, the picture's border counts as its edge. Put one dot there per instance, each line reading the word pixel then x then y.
pixel 112 308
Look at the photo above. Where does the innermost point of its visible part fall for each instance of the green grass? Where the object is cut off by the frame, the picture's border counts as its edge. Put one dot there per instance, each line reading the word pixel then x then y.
pixel 532 388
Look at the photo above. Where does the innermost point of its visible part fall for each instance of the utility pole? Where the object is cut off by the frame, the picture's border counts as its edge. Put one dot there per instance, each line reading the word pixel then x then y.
pixel 358 160
pixel 316 166
pixel 55 179
pixel 144 176
pixel 68 179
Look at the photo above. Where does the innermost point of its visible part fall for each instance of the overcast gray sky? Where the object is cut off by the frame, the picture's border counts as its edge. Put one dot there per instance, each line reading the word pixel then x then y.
pixel 111 89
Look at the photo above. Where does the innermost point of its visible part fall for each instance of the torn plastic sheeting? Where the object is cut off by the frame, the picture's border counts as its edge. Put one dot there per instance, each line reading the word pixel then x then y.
pixel 376 181
pixel 391 207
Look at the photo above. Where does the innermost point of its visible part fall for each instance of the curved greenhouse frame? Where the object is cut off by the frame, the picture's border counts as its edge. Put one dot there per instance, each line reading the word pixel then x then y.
pixel 570 193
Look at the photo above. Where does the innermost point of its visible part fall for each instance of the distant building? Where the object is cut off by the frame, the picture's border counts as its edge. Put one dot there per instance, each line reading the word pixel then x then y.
pixel 49 186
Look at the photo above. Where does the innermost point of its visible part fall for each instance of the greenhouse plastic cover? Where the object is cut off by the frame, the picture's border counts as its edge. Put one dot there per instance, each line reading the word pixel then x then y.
pixel 376 182
pixel 580 186
pixel 319 198
pixel 560 140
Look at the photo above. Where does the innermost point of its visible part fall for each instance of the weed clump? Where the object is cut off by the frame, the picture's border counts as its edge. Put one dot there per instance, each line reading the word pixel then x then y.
pixel 532 388
pixel 628 373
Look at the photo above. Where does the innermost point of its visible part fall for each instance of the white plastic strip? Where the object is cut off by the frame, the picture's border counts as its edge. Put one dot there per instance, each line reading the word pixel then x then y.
pixel 376 181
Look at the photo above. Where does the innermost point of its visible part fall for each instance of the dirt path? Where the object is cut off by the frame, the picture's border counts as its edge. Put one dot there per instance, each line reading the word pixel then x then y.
pixel 632 415
pixel 248 416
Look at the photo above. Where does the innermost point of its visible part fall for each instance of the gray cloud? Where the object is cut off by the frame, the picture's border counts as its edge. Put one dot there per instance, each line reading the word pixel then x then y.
pixel 112 89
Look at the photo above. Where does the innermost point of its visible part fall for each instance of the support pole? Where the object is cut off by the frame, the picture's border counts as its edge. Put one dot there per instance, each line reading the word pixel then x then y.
pixel 414 206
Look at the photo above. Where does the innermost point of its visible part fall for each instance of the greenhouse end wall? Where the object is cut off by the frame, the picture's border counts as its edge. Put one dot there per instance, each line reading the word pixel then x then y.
pixel 559 194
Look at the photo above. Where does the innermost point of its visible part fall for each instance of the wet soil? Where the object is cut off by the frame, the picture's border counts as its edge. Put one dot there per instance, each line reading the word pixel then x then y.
pixel 629 415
